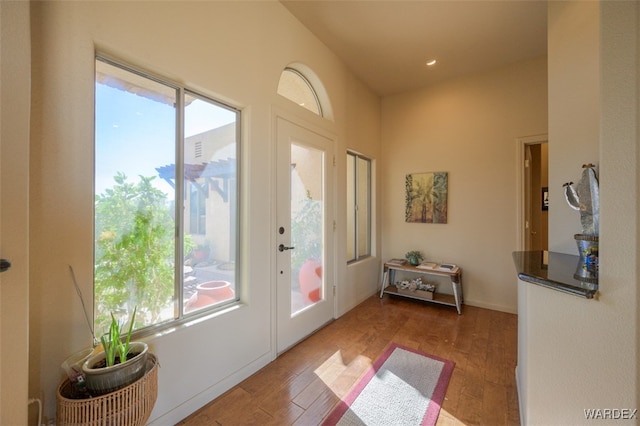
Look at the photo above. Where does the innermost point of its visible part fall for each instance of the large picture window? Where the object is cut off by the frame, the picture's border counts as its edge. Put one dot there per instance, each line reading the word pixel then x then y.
pixel 166 201
pixel 358 207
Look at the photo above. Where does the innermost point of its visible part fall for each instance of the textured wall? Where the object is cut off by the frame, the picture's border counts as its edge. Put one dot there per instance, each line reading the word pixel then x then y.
pixel 467 127
pixel 577 354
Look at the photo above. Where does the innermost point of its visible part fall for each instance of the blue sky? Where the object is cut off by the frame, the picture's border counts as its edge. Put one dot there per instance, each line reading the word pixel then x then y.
pixel 135 134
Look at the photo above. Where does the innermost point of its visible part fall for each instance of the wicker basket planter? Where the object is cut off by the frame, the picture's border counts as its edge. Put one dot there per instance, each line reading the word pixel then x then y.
pixel 129 406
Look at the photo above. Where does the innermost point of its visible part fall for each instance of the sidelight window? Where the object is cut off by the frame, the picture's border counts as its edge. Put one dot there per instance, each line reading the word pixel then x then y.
pixel 358 207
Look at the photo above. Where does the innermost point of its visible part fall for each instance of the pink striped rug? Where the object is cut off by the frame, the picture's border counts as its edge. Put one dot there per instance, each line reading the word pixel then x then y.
pixel 403 387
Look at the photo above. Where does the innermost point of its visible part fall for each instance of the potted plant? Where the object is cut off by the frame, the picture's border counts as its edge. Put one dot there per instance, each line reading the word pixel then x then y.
pixel 200 253
pixel 414 257
pixel 119 363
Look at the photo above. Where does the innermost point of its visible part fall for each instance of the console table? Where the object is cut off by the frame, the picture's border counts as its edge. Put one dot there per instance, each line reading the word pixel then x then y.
pixel 455 276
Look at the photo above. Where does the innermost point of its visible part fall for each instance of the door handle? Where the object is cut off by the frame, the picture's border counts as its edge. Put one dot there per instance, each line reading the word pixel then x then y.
pixel 282 247
pixel 4 265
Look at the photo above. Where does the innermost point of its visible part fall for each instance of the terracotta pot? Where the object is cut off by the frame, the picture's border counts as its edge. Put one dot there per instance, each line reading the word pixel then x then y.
pixel 102 380
pixel 208 293
pixel 310 279
pixel 200 255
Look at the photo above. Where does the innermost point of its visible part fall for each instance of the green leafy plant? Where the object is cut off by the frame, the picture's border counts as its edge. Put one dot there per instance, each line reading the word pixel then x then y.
pixel 134 266
pixel 112 341
pixel 414 257
pixel 306 233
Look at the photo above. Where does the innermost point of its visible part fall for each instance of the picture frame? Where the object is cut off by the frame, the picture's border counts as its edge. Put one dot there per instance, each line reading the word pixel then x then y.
pixel 545 198
pixel 426 197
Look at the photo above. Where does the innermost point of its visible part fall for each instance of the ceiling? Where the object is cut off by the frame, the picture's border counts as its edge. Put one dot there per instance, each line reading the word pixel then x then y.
pixel 387 43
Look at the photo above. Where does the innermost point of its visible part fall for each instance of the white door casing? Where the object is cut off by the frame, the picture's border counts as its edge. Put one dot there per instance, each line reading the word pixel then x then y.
pixel 523 191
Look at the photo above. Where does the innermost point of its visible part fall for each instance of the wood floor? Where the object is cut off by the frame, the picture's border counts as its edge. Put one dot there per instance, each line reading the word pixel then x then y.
pixel 302 385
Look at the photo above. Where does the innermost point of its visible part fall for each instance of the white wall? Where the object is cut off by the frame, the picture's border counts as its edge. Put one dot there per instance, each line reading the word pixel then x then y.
pixel 467 127
pixel 363 276
pixel 576 354
pixel 574 94
pixel 233 51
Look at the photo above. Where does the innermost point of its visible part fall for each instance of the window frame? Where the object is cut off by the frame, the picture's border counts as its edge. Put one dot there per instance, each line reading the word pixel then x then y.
pixel 353 210
pixel 182 92
pixel 306 81
pixel 197 206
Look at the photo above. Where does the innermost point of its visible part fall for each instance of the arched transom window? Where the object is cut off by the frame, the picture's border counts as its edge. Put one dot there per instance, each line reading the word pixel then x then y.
pixel 295 87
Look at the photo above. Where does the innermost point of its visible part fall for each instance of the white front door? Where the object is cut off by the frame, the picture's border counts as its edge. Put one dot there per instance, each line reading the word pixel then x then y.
pixel 304 232
pixel 14 193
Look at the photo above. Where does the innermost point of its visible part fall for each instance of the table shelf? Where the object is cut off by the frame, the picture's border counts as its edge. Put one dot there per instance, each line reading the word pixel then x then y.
pixel 455 277
pixel 443 299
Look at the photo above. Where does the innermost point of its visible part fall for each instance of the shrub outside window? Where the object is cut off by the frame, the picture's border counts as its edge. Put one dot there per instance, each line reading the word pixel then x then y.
pixel 166 200
pixel 358 207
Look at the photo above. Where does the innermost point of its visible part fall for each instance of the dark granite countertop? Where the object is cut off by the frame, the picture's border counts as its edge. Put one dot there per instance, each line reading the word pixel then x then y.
pixel 557 271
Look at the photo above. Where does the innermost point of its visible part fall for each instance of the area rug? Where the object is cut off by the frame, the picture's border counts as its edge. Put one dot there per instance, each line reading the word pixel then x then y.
pixel 403 387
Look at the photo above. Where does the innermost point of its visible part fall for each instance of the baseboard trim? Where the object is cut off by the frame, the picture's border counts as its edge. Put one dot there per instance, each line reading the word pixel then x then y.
pixel 519 393
pixel 491 306
pixel 192 405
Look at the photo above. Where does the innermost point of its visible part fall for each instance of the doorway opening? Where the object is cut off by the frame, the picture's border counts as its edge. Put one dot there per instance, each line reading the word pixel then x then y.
pixel 533 213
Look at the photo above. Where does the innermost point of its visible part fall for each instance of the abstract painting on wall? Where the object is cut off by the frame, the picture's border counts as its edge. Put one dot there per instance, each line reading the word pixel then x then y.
pixel 426 197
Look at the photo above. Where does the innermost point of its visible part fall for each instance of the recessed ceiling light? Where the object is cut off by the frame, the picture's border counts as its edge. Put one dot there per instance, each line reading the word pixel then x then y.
pixel 431 62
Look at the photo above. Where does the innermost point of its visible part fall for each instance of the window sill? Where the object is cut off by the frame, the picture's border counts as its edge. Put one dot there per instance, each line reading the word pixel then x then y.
pixel 361 259
pixel 175 325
